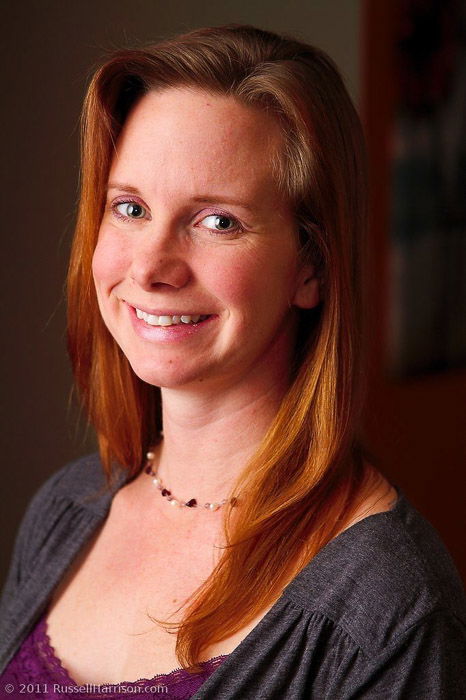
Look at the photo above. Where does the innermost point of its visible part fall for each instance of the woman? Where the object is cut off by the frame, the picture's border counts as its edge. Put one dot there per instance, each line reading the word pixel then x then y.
pixel 215 324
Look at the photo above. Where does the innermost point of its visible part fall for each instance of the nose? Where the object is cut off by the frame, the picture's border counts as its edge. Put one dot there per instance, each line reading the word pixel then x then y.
pixel 159 261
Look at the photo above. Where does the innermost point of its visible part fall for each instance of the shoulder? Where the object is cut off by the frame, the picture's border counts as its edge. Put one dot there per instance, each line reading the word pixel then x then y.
pixel 383 577
pixel 71 498
pixel 379 612
pixel 59 519
pixel 82 482
pixel 78 489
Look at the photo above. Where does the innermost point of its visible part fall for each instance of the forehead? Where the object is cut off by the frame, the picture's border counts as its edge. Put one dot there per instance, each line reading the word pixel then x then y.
pixel 190 136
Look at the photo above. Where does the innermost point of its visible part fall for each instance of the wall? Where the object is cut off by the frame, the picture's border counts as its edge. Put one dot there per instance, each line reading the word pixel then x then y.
pixel 416 427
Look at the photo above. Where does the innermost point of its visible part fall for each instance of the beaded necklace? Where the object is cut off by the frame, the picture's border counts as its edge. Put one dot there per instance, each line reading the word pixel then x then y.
pixel 176 502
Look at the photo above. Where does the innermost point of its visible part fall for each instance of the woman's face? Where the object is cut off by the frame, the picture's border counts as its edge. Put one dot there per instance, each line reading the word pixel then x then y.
pixel 196 266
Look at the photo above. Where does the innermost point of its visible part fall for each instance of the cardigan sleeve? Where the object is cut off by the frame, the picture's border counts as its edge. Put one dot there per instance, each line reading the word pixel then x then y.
pixel 23 545
pixel 83 485
pixel 296 655
pixel 427 661
pixel 58 521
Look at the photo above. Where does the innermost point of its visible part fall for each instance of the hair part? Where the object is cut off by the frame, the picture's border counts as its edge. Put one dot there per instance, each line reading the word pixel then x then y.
pixel 300 487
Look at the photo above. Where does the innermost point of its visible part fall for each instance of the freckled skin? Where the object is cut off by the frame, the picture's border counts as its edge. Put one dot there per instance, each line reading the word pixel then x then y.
pixel 176 147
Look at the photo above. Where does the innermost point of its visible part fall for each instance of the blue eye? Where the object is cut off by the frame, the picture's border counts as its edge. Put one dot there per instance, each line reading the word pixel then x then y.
pixel 131 210
pixel 219 222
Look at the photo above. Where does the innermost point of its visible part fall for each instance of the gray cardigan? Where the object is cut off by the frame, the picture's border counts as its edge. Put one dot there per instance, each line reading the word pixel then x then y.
pixel 380 612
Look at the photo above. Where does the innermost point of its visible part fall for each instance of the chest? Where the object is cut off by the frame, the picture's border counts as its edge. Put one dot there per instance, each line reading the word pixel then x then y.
pixel 132 570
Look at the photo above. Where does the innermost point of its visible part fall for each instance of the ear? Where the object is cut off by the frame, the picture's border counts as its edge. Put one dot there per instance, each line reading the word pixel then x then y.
pixel 307 290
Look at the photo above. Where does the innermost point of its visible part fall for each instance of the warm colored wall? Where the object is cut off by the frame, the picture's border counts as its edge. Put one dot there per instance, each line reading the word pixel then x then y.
pixel 417 427
pixel 48 50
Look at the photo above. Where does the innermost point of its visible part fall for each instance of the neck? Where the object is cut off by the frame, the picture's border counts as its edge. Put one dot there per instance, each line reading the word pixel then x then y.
pixel 209 437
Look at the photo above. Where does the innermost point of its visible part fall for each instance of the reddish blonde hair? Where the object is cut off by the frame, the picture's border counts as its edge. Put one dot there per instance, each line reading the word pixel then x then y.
pixel 301 486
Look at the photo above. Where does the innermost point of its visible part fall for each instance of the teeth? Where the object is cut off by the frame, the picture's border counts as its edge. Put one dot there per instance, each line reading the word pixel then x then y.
pixel 153 320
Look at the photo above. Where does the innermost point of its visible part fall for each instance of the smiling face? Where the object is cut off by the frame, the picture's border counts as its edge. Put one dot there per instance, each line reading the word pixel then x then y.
pixel 196 266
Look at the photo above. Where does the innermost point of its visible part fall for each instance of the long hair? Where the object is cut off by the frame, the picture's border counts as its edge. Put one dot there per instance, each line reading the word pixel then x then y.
pixel 300 487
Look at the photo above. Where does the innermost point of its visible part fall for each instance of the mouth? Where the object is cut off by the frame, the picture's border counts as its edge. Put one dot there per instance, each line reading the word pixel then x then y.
pixel 167 320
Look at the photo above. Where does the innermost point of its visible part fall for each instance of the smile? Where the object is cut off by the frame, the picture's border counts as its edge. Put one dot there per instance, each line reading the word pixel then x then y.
pixel 153 320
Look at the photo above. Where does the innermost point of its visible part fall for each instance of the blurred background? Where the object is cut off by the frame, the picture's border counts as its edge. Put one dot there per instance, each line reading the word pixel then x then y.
pixel 404 62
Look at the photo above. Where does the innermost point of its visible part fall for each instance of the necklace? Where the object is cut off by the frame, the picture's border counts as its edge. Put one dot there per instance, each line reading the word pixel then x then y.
pixel 176 502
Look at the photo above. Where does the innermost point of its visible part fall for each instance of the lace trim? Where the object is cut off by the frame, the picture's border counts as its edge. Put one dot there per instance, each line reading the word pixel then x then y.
pixel 53 663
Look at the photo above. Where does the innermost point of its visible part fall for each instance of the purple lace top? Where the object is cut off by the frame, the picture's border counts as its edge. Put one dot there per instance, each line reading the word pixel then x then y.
pixel 36 671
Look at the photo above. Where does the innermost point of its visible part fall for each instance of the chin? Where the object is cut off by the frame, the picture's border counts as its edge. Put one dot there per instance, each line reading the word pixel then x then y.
pixel 168 377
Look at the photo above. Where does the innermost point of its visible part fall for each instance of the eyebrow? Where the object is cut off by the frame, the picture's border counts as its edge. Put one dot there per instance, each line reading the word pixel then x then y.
pixel 201 199
pixel 122 186
pixel 212 198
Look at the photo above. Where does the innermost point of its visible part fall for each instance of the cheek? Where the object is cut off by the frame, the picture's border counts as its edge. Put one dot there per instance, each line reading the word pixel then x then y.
pixel 233 281
pixel 253 281
pixel 108 262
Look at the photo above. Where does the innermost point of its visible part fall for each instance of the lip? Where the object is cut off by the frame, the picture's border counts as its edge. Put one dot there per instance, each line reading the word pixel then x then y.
pixel 164 312
pixel 167 334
